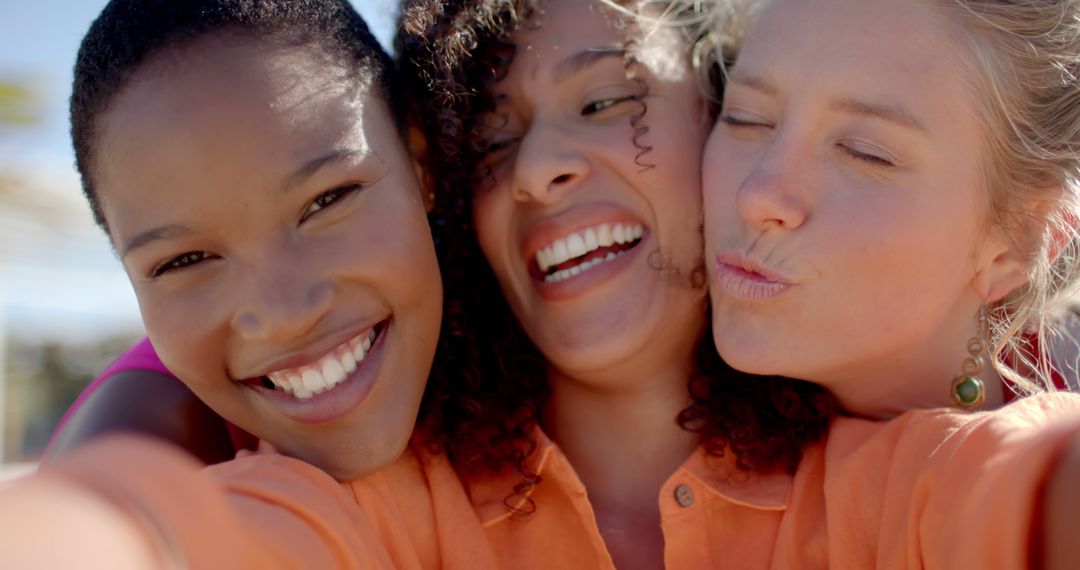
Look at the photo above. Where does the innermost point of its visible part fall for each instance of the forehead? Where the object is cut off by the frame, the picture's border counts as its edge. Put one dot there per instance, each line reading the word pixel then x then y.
pixel 233 84
pixel 230 113
pixel 247 95
pixel 857 38
pixel 562 28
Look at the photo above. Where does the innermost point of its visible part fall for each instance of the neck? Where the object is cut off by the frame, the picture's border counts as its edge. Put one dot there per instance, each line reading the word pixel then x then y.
pixel 621 434
pixel 916 376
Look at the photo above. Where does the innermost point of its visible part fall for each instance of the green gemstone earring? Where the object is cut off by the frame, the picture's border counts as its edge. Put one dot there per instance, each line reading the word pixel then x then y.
pixel 968 390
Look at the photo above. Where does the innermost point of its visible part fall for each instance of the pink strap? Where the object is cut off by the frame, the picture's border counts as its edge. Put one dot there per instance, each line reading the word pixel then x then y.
pixel 141 356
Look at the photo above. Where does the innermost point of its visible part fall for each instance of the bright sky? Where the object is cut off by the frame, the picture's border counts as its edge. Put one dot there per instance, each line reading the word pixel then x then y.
pixel 65 282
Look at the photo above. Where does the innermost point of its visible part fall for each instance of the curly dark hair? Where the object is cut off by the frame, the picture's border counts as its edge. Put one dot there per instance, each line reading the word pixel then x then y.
pixel 450 53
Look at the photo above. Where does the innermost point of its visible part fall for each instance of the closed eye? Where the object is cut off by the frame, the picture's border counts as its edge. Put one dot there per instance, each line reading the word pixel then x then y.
pixel 182 261
pixel 870 158
pixel 329 198
pixel 739 122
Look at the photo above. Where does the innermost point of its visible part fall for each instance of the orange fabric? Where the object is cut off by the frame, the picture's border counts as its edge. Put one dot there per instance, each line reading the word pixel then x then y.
pixel 930 489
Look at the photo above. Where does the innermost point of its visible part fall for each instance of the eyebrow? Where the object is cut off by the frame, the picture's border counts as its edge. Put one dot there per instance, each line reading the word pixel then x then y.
pixel 173 231
pixel 885 112
pixel 581 60
pixel 142 239
pixel 309 169
pixel 754 82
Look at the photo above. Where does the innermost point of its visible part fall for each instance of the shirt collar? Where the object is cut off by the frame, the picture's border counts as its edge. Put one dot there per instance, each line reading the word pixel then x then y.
pixel 492 493
pixel 721 476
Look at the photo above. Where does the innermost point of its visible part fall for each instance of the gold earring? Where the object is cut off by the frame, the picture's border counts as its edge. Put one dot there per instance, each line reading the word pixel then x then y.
pixel 968 390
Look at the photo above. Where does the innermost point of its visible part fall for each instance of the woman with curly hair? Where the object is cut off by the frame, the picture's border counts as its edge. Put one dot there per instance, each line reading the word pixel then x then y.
pixel 559 216
pixel 609 291
pixel 568 141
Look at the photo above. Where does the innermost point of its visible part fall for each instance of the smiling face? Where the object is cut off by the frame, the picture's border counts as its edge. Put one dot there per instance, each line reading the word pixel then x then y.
pixel 268 216
pixel 582 227
pixel 846 226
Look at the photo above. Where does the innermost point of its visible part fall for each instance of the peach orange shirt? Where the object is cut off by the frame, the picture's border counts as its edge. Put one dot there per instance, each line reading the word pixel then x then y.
pixel 930 489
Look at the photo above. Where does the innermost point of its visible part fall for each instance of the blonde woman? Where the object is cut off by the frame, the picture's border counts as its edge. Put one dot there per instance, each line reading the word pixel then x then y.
pixel 891 198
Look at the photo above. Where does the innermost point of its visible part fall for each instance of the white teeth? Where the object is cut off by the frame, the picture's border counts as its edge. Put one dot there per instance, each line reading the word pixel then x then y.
pixel 603 235
pixel 329 371
pixel 591 242
pixel 295 383
pixel 312 379
pixel 575 245
pixel 559 252
pixel 583 242
pixel 348 361
pixel 332 372
pixel 618 234
pixel 564 274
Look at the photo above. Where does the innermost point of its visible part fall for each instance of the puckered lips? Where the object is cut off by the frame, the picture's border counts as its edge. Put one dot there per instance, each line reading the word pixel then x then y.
pixel 321 388
pixel 745 279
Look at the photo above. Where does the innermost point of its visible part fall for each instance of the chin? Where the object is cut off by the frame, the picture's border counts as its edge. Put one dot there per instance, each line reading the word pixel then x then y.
pixel 744 356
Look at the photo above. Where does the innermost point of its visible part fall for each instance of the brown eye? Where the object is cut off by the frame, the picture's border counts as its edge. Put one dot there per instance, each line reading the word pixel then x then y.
pixel 599 105
pixel 329 198
pixel 181 261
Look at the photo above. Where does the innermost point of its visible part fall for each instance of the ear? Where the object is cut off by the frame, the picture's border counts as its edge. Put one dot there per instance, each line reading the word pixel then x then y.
pixel 418 150
pixel 1002 269
pixel 1061 235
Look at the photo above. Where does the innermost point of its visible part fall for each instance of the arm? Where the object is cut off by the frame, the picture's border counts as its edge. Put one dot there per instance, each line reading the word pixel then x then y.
pixel 150 403
pixel 1061 513
pixel 121 499
pixel 43 511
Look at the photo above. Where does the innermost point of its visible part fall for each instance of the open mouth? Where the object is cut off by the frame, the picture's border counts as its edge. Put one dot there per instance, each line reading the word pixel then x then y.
pixel 327 372
pixel 583 250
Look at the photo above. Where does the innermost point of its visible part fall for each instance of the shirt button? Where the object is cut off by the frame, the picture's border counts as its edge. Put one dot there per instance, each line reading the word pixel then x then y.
pixel 684 496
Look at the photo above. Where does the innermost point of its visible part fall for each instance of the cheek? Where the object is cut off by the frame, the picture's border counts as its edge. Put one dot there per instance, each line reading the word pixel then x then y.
pixel 183 326
pixel 721 178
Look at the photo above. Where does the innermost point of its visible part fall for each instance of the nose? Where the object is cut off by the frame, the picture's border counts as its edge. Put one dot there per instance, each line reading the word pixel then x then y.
pixel 547 166
pixel 773 195
pixel 282 303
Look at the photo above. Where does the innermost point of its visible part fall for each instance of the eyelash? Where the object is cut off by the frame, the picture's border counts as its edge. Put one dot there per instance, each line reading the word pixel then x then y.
pixel 871 159
pixel 181 261
pixel 736 122
pixel 590 108
pixel 188 259
pixel 600 105
pixel 320 202
pixel 499 146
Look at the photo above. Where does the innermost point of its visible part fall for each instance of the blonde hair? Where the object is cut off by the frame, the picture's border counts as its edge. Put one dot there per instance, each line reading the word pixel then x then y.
pixel 1025 56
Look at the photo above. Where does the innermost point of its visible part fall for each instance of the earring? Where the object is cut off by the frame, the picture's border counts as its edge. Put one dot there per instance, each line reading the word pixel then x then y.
pixel 431 196
pixel 968 390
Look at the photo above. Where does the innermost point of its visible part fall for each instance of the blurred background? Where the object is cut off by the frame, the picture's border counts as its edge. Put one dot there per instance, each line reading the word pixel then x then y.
pixel 66 308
